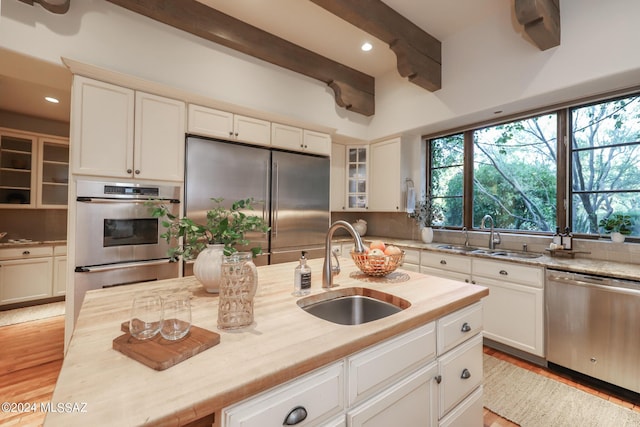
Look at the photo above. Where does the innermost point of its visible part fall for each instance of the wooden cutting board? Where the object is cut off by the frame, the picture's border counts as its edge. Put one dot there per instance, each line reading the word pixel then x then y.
pixel 159 353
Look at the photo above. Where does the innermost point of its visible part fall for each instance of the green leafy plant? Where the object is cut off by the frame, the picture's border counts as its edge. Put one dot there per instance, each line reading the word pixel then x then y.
pixel 617 223
pixel 223 226
pixel 427 213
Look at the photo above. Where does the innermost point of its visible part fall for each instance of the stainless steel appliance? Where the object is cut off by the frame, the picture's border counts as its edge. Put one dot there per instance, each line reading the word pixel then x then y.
pixel 291 192
pixel 117 240
pixel 592 326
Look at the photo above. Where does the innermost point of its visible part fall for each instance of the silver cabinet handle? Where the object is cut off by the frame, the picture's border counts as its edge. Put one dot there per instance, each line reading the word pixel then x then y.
pixel 137 171
pixel 129 171
pixel 465 374
pixel 504 272
pixel 465 327
pixel 26 253
pixel 443 262
pixel 297 415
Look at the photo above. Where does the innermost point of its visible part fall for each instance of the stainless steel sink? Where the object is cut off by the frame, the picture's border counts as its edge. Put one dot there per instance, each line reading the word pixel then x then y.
pixel 507 254
pixel 457 248
pixel 352 306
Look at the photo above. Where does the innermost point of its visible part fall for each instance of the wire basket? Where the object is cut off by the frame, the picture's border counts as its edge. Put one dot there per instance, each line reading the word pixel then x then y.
pixel 377 265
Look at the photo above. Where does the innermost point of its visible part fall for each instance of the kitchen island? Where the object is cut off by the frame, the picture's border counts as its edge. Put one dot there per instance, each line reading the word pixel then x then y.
pixel 284 343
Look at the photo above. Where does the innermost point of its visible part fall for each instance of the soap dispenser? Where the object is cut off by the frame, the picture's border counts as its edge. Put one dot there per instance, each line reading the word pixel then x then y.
pixel 302 277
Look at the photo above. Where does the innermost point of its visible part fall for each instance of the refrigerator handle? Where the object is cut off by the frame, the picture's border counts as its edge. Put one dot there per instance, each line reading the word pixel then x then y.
pixel 266 196
pixel 276 200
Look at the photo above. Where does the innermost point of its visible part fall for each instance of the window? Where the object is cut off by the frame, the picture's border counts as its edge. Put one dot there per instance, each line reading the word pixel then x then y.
pixel 605 163
pixel 447 177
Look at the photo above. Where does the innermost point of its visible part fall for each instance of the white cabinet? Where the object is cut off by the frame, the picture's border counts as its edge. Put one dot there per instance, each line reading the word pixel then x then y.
pixel 316 142
pixel 26 273
pixel 18 165
pixel 411 259
pixel 207 121
pixel 59 270
pixel 302 140
pixel 338 177
pixel 314 398
pixel 53 173
pixel 388 173
pixel 457 267
pixel 514 309
pixel 357 177
pixel 120 133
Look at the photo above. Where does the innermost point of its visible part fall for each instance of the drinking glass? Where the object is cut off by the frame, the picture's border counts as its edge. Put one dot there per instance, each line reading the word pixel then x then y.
pixel 146 314
pixel 176 316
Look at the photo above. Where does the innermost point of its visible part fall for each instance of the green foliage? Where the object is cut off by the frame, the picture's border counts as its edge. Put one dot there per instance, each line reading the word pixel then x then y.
pixel 617 223
pixel 427 213
pixel 224 226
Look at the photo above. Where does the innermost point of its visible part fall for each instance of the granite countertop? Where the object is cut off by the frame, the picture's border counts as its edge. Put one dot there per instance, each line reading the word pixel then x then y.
pixel 27 242
pixel 617 270
pixel 283 343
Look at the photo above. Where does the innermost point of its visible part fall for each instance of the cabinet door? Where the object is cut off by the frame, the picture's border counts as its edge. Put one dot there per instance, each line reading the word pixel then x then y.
pixel 209 122
pixel 59 275
pixel 252 130
pixel 410 402
pixel 338 177
pixel 357 172
pixel 316 142
pixel 287 137
pixel 386 186
pixel 53 173
pixel 159 138
pixel 102 128
pixel 514 315
pixel 461 372
pixel 18 166
pixel 25 279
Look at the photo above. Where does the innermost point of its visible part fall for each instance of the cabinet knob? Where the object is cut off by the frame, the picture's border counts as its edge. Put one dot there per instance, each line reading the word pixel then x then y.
pixel 465 327
pixel 236 134
pixel 297 415
pixel 26 253
pixel 129 171
pixel 504 272
pixel 443 262
pixel 438 379
pixel 230 133
pixel 465 374
pixel 137 171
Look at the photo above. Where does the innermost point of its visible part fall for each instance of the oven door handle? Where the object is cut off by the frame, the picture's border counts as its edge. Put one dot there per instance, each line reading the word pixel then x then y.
pixel 100 200
pixel 119 266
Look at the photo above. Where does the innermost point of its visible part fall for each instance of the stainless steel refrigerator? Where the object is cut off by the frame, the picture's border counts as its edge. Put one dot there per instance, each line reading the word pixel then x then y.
pixel 291 191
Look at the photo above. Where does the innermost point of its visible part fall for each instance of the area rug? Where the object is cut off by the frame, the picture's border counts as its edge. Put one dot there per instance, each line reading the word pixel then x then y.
pixel 27 314
pixel 532 400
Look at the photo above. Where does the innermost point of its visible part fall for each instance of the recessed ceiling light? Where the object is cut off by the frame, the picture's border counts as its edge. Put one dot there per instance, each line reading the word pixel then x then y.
pixel 51 99
pixel 366 46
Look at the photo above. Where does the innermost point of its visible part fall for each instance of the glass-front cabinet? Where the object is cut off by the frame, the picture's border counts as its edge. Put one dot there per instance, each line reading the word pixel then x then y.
pixel 18 157
pixel 34 170
pixel 357 177
pixel 53 173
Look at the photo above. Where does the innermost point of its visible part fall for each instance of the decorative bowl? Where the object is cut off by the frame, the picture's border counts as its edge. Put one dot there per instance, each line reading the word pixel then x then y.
pixel 380 265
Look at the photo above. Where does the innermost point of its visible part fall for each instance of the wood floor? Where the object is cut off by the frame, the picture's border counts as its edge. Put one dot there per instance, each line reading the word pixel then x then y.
pixel 31 358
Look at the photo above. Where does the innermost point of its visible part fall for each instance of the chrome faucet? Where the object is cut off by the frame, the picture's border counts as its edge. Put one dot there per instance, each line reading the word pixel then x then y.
pixel 494 237
pixel 327 270
pixel 466 236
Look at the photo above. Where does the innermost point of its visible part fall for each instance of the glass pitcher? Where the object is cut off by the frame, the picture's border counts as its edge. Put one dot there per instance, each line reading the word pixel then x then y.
pixel 237 289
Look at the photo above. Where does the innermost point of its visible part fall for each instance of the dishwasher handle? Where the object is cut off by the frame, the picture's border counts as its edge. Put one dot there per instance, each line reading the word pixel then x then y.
pixel 617 286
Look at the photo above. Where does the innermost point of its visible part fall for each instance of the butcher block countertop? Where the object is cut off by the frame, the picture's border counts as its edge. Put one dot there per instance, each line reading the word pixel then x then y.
pixel 283 343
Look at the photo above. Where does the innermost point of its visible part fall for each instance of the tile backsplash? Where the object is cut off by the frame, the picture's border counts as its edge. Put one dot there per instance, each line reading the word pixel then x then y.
pixel 34 224
pixel 400 226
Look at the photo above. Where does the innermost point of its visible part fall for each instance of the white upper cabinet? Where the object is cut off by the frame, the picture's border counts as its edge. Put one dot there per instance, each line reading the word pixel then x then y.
pixel 316 142
pixel 159 138
pixel 121 133
pixel 206 121
pixel 302 140
pixel 53 172
pixel 338 177
pixel 18 164
pixel 388 173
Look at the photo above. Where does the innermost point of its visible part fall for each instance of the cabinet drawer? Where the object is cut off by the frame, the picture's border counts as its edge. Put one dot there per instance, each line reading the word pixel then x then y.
pixel 26 252
pixel 467 414
pixel 457 263
pixel 459 326
pixel 531 276
pixel 376 367
pixel 411 256
pixel 320 393
pixel 461 372
pixel 60 250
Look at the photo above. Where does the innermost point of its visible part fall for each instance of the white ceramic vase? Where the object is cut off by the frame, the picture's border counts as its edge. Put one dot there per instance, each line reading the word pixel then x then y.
pixel 617 237
pixel 360 226
pixel 207 267
pixel 427 234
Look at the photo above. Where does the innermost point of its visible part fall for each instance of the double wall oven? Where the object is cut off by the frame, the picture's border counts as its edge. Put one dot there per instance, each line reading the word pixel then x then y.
pixel 117 240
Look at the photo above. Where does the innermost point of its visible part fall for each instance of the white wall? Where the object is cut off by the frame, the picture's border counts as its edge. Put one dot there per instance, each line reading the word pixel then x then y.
pixel 488 67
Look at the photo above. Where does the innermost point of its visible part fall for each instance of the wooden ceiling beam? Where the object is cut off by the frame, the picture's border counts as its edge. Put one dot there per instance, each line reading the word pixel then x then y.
pixel 353 89
pixel 419 54
pixel 541 21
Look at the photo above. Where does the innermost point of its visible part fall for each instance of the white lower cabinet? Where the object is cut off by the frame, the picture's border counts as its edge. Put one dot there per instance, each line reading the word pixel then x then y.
pixel 25 274
pixel 403 381
pixel 411 259
pixel 457 267
pixel 59 270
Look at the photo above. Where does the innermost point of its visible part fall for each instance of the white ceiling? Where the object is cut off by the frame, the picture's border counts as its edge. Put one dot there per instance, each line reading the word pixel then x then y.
pixel 25 81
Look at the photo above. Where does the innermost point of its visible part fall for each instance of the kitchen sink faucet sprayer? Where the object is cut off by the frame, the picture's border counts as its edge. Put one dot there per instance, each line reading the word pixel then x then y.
pixel 327 270
pixel 466 236
pixel 494 237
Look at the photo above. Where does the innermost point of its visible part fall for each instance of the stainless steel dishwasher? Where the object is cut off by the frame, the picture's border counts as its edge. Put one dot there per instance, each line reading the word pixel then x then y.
pixel 593 326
